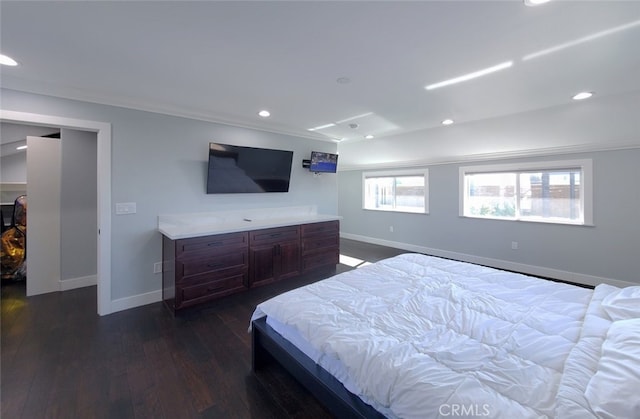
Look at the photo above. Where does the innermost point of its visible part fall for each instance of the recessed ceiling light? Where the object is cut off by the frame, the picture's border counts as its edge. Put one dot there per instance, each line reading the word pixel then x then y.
pixel 535 2
pixel 470 76
pixel 342 121
pixel 322 127
pixel 6 60
pixel 447 122
pixel 343 80
pixel 264 114
pixel 22 147
pixel 578 41
pixel 582 95
pixel 368 137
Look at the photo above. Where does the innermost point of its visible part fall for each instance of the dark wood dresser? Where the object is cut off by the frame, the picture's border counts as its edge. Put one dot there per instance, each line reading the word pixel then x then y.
pixel 201 269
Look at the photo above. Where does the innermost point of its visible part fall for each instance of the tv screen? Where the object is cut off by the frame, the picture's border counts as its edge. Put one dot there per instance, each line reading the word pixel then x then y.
pixel 323 162
pixel 238 169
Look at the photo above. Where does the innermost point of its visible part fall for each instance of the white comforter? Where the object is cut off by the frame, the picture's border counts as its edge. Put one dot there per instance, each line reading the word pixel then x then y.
pixel 423 337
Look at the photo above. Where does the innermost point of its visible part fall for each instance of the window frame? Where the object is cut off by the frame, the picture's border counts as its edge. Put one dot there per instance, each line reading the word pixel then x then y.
pixel 586 187
pixel 393 174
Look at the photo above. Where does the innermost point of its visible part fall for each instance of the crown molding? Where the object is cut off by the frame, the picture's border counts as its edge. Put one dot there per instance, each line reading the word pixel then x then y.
pixel 71 93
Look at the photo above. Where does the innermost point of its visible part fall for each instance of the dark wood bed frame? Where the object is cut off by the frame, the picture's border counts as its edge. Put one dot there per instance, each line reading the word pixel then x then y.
pixel 268 345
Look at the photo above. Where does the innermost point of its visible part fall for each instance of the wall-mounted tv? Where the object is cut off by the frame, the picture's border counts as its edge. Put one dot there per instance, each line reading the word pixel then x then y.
pixel 323 162
pixel 239 169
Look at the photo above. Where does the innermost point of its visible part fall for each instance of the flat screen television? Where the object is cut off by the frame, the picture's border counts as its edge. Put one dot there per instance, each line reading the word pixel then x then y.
pixel 323 162
pixel 239 169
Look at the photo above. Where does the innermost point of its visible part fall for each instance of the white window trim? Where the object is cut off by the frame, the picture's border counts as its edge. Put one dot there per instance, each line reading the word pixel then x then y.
pixel 391 173
pixel 586 185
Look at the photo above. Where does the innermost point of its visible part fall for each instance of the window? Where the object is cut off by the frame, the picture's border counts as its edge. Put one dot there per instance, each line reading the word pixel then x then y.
pixel 400 191
pixel 556 192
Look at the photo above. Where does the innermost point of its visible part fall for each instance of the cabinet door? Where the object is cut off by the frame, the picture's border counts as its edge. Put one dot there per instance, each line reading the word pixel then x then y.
pixel 273 235
pixel 315 244
pixel 320 245
pixel 262 262
pixel 320 229
pixel 211 245
pixel 326 258
pixel 199 292
pixel 288 259
pixel 210 264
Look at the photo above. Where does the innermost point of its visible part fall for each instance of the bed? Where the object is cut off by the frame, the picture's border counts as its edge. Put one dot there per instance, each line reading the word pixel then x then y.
pixel 416 336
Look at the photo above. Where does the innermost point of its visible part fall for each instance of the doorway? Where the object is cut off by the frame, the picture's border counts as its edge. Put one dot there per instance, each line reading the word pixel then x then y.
pixel 103 137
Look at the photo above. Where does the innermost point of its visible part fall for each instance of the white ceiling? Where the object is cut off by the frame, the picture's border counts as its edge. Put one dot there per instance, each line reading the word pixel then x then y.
pixel 225 61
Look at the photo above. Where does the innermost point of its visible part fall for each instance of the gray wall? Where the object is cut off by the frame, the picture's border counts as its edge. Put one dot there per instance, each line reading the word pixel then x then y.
pixel 78 205
pixel 14 167
pixel 159 162
pixel 609 249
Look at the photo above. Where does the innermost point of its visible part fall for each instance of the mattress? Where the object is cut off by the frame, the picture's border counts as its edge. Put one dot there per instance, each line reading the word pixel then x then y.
pixel 418 336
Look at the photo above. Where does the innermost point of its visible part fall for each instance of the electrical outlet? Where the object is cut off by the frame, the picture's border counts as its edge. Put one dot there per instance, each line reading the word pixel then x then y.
pixel 157 267
pixel 514 245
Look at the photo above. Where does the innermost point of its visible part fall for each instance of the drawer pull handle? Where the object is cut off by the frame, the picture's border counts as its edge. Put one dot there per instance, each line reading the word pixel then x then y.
pixel 215 265
pixel 275 235
pixel 215 244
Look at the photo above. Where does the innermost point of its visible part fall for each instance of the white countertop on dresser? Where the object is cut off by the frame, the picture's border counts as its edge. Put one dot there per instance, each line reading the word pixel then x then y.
pixel 182 226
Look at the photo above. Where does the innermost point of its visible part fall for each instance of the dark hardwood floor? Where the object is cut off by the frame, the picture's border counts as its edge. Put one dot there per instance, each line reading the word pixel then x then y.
pixel 61 360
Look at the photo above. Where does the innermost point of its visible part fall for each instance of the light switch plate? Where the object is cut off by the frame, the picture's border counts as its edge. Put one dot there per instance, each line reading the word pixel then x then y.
pixel 123 208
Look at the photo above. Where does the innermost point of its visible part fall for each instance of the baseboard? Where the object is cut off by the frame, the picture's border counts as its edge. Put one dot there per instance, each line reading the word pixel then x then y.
pixel 80 282
pixel 116 305
pixel 574 277
pixel 136 301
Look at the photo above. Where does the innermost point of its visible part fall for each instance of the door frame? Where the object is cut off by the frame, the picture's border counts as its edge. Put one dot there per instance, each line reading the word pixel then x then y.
pixel 103 131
